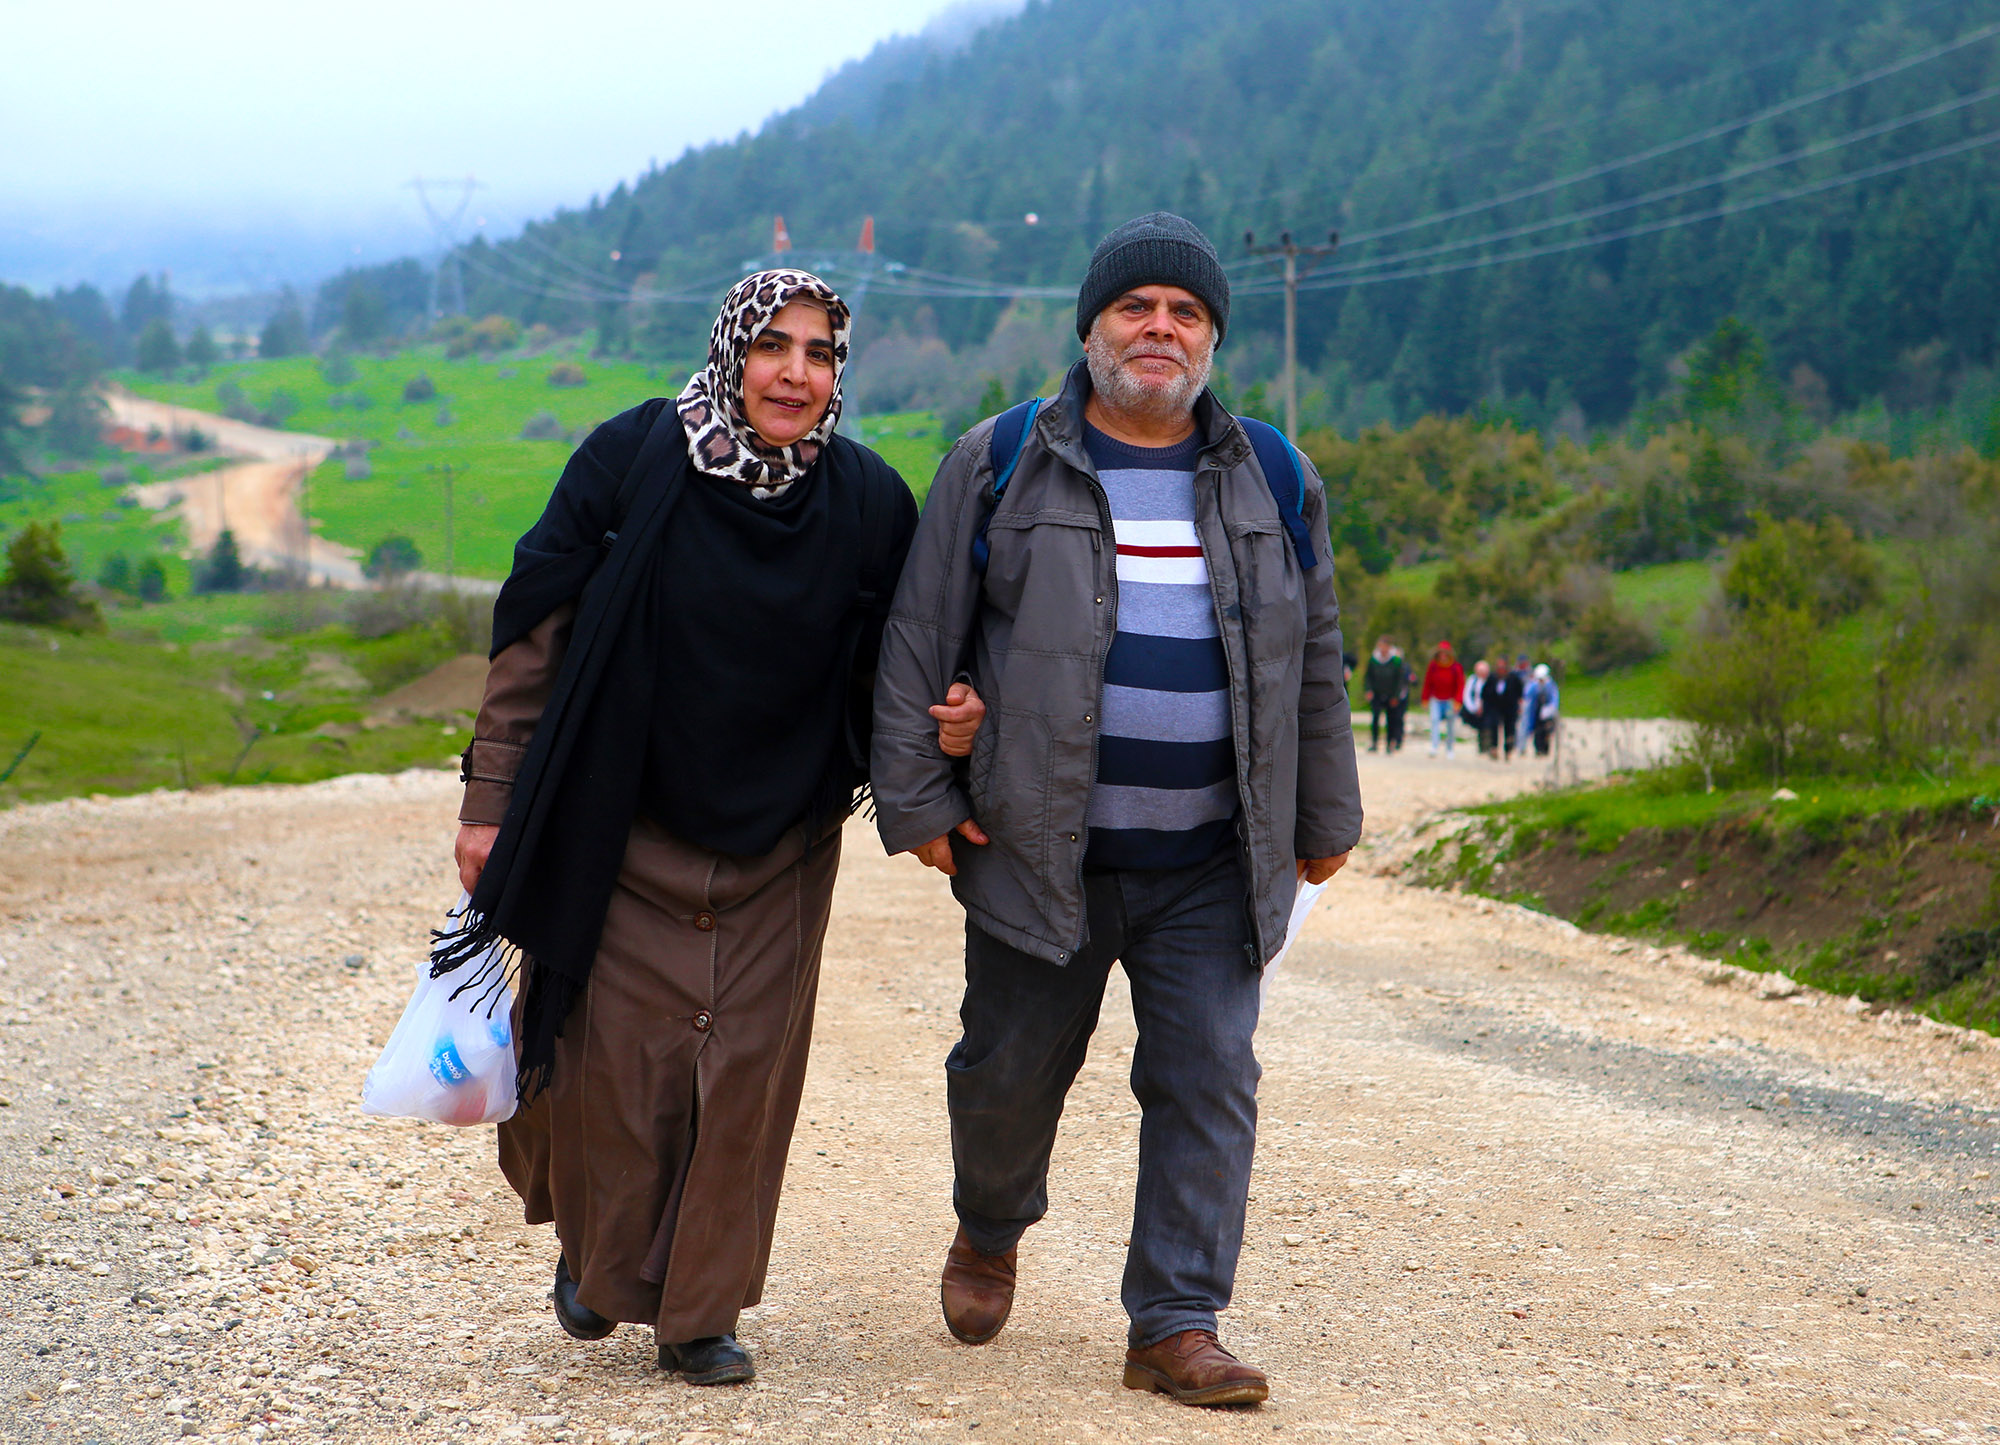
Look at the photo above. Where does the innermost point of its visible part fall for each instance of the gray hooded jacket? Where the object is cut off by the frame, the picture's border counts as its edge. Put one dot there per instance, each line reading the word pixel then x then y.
pixel 1032 634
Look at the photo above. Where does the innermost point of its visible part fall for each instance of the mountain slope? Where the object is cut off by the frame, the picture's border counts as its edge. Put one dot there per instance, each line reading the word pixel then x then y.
pixel 1365 115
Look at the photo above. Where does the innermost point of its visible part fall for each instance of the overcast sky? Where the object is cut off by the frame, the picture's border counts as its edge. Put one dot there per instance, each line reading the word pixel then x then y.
pixel 125 119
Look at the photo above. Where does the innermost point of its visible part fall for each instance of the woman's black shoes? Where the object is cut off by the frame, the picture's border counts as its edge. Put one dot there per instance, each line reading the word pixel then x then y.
pixel 717 1360
pixel 578 1320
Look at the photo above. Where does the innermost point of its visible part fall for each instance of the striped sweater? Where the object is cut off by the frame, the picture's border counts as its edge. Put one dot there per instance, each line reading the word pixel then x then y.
pixel 1165 793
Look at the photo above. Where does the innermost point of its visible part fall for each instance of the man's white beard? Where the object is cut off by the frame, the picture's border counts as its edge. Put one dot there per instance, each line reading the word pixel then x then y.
pixel 1121 391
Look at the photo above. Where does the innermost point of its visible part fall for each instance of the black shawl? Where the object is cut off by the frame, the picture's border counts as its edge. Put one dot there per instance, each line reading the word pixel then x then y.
pixel 603 542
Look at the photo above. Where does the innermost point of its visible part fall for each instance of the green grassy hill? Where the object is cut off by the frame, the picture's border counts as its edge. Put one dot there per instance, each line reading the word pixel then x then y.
pixel 468 433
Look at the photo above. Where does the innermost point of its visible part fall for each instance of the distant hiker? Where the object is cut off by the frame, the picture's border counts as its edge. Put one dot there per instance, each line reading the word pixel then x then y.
pixel 1399 704
pixel 1500 707
pixel 1385 679
pixel 1539 706
pixel 1170 752
pixel 1444 683
pixel 674 728
pixel 1472 700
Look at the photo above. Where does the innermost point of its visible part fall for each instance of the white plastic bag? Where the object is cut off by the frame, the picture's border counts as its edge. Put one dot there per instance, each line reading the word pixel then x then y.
pixel 450 1060
pixel 1302 904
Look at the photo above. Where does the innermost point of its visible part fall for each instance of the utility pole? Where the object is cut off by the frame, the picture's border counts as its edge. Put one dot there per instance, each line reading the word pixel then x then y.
pixel 445 216
pixel 1292 251
pixel 305 520
pixel 450 552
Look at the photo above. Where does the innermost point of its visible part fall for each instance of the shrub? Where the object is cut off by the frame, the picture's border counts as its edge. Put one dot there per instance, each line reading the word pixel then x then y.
pixel 39 586
pixel 337 368
pixel 542 427
pixel 235 402
pixel 116 574
pixel 419 388
pixel 567 373
pixel 222 570
pixel 1609 636
pixel 392 559
pixel 152 580
pixel 356 468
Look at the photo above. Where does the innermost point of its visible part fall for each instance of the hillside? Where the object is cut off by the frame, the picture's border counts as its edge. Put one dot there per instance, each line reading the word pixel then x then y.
pixel 1408 127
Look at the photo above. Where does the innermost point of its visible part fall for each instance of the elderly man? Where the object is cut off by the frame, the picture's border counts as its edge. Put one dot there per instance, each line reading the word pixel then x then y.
pixel 1167 753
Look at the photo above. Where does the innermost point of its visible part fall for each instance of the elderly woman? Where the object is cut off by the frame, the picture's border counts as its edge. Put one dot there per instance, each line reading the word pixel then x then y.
pixel 674 728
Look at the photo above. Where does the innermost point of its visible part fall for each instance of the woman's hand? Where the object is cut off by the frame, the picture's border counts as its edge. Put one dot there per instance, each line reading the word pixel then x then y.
pixel 959 716
pixel 937 853
pixel 475 842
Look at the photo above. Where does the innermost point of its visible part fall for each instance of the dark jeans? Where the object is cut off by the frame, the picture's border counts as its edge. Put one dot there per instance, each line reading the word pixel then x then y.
pixel 1182 935
pixel 1398 711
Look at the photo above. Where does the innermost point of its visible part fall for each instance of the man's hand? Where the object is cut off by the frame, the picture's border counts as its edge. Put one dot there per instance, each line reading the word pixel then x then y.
pixel 475 841
pixel 937 853
pixel 1318 870
pixel 958 718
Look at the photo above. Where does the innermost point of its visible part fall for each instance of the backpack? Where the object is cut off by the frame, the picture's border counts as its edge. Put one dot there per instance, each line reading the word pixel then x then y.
pixel 1275 458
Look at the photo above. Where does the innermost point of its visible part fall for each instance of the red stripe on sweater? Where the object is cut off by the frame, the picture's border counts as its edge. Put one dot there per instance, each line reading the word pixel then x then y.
pixel 1126 549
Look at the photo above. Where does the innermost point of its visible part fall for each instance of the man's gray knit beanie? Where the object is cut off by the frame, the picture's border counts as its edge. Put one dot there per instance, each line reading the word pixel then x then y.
pixel 1160 249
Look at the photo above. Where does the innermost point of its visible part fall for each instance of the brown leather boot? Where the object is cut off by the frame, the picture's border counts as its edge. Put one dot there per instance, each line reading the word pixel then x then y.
pixel 1193 1368
pixel 977 1291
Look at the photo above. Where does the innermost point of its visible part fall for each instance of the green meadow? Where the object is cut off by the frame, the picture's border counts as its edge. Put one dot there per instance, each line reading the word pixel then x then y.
pixel 464 444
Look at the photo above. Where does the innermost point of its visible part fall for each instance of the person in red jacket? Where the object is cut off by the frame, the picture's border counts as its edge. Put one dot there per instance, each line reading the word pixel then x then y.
pixel 1444 680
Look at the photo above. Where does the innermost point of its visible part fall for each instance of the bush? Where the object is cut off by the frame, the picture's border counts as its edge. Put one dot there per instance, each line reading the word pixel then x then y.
pixel 337 368
pixel 1609 636
pixel 567 373
pixel 392 559
pixel 462 337
pixel 1819 569
pixel 542 427
pixel 116 574
pixel 152 581
pixel 222 570
pixel 419 388
pixel 39 586
pixel 356 468
pixel 235 402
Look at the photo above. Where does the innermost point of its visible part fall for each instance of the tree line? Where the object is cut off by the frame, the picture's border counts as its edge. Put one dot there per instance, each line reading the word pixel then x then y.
pixel 1351 114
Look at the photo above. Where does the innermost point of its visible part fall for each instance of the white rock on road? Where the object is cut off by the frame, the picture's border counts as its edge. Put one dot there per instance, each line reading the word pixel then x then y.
pixel 1513 1183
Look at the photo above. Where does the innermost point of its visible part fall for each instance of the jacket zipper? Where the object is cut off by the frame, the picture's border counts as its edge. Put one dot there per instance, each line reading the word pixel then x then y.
pixel 1105 638
pixel 1239 746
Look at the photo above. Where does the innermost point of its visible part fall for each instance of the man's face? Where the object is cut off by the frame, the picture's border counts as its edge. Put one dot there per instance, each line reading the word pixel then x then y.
pixel 1150 351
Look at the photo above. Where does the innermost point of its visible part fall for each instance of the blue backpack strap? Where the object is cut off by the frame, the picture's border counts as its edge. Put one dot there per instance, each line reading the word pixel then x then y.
pixel 1287 482
pixel 1010 430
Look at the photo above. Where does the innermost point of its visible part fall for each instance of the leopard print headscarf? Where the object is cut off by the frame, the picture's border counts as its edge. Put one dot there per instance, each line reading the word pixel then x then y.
pixel 721 440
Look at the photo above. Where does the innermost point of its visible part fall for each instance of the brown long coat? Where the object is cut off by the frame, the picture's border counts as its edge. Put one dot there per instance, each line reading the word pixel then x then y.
pixel 659 1149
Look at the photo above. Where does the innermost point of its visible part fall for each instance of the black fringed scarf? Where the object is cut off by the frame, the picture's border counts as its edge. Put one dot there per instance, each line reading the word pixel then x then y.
pixel 629 692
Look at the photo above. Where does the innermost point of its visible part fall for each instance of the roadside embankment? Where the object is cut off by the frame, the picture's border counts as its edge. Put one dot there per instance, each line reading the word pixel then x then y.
pixel 1889 893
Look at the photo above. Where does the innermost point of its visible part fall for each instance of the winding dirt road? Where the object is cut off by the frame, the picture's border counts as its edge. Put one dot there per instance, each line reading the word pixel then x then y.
pixel 1514 1183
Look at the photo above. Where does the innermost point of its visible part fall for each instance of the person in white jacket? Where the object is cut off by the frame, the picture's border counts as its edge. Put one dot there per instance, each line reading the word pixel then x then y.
pixel 1539 708
pixel 1472 700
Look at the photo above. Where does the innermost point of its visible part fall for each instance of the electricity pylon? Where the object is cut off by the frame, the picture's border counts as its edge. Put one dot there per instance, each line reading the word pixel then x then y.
pixel 445 217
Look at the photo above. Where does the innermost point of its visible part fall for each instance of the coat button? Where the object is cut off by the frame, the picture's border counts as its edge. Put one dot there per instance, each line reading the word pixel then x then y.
pixel 1087 718
pixel 1100 602
pixel 705 922
pixel 1072 837
pixel 704 1021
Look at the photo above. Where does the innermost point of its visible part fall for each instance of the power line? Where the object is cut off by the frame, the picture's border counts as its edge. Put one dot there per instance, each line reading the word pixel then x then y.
pixel 1786 107
pixel 1684 188
pixel 1943 152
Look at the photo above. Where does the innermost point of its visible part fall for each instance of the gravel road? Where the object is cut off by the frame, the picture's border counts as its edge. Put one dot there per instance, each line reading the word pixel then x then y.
pixel 1515 1183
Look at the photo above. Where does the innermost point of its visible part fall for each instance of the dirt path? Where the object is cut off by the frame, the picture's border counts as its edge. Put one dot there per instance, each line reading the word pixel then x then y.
pixel 1514 1183
pixel 259 498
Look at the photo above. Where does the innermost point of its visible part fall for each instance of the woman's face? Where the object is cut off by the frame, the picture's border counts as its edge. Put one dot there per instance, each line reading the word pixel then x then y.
pixel 788 376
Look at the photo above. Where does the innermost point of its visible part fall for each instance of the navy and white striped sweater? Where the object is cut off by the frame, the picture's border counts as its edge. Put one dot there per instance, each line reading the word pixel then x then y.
pixel 1165 794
